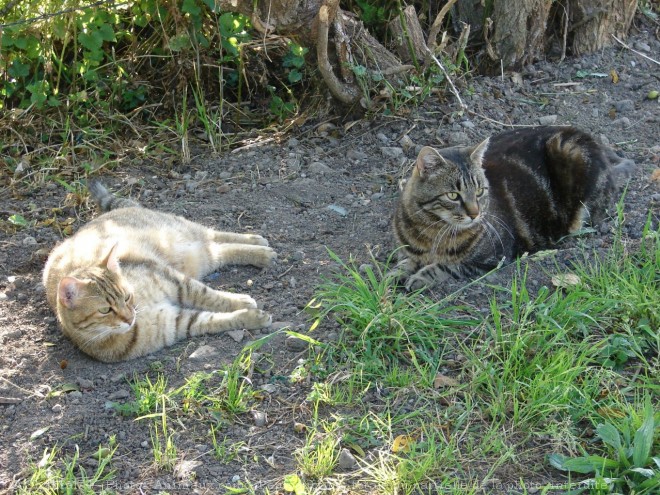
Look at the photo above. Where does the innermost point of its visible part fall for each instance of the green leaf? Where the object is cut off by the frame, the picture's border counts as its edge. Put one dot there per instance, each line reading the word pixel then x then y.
pixel 91 40
pixel 106 32
pixel 292 483
pixel 610 435
pixel 19 69
pixel 191 7
pixel 18 220
pixel 643 440
pixel 294 76
pixel 647 473
pixel 179 42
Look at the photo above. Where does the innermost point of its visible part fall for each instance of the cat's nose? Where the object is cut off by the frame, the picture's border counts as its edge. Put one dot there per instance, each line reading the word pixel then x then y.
pixel 472 210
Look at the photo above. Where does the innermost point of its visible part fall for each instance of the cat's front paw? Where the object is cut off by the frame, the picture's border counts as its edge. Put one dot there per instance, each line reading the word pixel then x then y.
pixel 253 319
pixel 402 270
pixel 416 282
pixel 264 257
pixel 256 239
pixel 242 301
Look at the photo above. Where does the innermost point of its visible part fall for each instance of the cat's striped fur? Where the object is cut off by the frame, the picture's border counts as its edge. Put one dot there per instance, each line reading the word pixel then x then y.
pixel 127 283
pixel 466 209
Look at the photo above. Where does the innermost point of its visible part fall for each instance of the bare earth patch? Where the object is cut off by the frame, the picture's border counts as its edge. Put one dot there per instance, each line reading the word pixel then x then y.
pixel 330 189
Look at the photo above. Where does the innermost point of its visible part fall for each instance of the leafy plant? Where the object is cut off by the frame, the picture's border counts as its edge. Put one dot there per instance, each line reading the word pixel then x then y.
pixel 628 465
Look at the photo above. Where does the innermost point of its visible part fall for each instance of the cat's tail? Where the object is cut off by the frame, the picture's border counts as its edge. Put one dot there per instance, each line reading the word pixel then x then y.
pixel 106 200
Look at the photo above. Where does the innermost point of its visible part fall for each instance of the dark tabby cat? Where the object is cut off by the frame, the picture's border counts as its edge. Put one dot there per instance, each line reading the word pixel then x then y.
pixel 465 209
pixel 126 284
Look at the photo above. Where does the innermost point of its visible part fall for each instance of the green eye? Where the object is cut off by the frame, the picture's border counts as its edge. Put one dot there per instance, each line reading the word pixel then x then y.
pixel 480 192
pixel 452 195
pixel 104 310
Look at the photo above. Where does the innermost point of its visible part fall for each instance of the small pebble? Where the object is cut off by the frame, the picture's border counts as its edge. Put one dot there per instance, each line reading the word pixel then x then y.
pixel 122 393
pixel 547 119
pixel 295 344
pixel 57 408
pixel 393 152
pixel 624 106
pixel 346 461
pixel 260 418
pixel 85 383
pixel 237 335
pixel 203 352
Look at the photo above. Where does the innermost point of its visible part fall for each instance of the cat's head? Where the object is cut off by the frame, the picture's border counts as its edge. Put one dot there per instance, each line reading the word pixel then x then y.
pixel 450 184
pixel 96 301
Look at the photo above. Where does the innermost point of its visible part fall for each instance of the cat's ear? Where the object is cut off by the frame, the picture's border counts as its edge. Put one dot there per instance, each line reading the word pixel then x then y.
pixel 426 160
pixel 477 154
pixel 69 291
pixel 111 261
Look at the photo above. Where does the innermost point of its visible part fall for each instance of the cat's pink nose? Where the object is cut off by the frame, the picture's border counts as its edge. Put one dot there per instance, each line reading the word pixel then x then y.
pixel 472 211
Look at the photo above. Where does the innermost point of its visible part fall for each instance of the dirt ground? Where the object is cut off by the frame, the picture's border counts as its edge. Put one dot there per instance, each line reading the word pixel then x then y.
pixel 332 185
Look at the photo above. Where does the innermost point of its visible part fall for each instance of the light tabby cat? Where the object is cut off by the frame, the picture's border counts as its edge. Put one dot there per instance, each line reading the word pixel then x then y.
pixel 127 283
pixel 465 209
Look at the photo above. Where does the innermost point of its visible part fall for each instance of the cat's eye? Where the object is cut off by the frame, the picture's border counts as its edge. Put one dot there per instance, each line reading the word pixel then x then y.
pixel 127 298
pixel 452 196
pixel 104 310
pixel 480 192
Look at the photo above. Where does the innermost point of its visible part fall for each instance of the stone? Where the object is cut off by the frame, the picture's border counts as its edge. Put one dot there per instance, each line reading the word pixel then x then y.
pixel 203 352
pixel 338 209
pixel 295 344
pixel 623 122
pixel 185 470
pixel 260 418
pixel 458 137
pixel 29 241
pixel 547 119
pixel 122 393
pixel 347 461
pixel 320 168
pixel 85 383
pixel 237 335
pixel 624 106
pixel 392 152
pixel 406 143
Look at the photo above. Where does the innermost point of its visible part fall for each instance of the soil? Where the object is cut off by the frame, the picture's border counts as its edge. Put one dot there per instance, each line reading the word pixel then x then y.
pixel 329 186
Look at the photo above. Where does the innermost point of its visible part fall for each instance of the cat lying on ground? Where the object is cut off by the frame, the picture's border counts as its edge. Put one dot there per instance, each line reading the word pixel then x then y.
pixel 127 283
pixel 465 209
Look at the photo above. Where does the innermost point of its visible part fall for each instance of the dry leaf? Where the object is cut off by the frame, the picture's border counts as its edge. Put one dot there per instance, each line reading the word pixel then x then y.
pixel 655 175
pixel 614 76
pixel 299 427
pixel 402 443
pixel 442 381
pixel 563 280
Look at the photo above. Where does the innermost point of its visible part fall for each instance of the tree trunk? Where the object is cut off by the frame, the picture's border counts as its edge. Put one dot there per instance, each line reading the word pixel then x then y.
pixel 516 32
pixel 593 22
pixel 513 32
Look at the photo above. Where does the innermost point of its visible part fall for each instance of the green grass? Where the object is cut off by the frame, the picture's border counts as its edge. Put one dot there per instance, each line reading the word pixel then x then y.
pixel 551 390
pixel 56 474
pixel 537 378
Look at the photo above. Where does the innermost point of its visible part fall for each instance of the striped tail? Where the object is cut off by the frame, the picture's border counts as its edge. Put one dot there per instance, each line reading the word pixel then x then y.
pixel 106 200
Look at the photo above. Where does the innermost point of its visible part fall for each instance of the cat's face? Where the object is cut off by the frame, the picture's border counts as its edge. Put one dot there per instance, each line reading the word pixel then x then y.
pixel 450 185
pixel 97 302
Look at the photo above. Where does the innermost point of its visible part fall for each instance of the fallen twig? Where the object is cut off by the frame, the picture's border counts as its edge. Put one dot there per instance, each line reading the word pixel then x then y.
pixel 625 45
